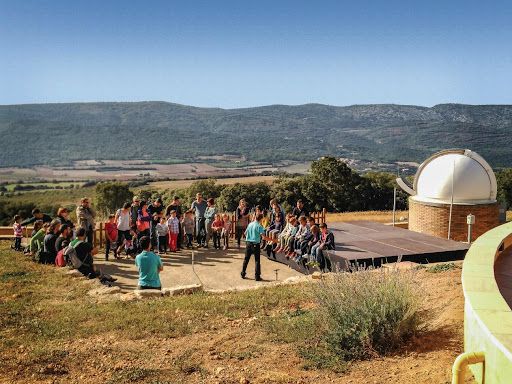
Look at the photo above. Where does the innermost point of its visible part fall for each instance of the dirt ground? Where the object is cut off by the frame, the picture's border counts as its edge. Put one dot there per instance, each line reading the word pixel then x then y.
pixel 214 269
pixel 241 351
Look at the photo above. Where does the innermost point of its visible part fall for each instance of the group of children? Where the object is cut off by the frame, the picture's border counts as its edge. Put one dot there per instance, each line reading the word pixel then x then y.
pixel 300 239
pixel 168 230
pixel 295 235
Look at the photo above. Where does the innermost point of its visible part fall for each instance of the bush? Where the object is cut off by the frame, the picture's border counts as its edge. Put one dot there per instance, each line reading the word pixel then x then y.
pixel 366 313
pixel 111 196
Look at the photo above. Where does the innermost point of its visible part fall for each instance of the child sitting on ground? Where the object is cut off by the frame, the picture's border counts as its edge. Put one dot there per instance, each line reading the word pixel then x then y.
pixel 188 227
pixel 162 231
pixel 226 230
pixel 18 233
pixel 217 226
pixel 111 236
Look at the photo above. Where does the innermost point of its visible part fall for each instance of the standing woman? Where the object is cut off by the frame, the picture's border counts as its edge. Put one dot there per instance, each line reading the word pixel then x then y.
pixel 85 216
pixel 123 217
pixel 209 217
pixel 143 220
pixel 241 219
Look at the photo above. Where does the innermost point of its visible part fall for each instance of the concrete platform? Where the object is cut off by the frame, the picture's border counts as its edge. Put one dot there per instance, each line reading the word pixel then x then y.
pixel 214 269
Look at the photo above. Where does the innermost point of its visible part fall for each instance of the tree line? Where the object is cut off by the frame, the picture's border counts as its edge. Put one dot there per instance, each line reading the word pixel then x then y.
pixel 331 184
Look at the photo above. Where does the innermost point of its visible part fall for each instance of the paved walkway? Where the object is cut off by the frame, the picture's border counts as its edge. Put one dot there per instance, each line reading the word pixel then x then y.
pixel 215 269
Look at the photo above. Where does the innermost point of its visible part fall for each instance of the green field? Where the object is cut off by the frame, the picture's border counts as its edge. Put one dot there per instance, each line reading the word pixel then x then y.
pixel 47 185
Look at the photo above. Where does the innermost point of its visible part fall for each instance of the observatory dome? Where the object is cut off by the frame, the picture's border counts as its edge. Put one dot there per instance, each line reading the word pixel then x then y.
pixel 463 171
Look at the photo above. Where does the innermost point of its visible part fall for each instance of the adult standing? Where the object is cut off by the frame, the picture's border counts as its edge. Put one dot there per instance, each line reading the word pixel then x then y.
pixel 176 206
pixel 143 220
pixel 123 218
pixel 199 206
pixel 209 217
pixel 241 220
pixel 85 216
pixel 253 235
pixel 149 265
pixel 134 210
pixel 300 210
pixel 155 209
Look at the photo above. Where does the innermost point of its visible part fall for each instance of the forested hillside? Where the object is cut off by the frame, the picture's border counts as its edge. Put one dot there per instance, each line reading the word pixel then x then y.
pixel 59 133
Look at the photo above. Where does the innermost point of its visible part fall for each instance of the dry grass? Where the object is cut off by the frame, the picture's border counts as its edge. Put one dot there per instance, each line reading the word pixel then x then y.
pixel 178 184
pixel 378 216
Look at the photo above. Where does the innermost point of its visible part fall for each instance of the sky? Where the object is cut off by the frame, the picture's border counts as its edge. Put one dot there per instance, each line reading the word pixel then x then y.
pixel 234 54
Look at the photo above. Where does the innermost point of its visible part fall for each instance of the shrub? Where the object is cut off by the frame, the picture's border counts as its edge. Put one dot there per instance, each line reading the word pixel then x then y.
pixel 365 313
pixel 111 195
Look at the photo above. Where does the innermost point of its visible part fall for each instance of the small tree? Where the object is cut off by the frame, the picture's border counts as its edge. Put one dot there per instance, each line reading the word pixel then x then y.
pixel 254 194
pixel 111 195
pixel 504 180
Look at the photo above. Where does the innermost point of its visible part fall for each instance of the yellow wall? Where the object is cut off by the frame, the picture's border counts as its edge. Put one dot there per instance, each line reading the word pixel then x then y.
pixel 487 316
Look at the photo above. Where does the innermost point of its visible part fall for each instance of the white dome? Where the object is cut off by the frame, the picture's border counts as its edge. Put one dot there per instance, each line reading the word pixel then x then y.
pixel 472 178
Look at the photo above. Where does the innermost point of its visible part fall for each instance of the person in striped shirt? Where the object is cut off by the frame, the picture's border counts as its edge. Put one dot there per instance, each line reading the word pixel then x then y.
pixel 174 229
pixel 18 233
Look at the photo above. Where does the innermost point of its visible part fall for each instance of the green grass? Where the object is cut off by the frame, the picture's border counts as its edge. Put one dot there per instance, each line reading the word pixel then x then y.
pixel 326 324
pixel 28 288
pixel 438 268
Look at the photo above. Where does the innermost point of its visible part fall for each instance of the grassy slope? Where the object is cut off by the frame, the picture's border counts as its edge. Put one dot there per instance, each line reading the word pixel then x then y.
pixel 51 330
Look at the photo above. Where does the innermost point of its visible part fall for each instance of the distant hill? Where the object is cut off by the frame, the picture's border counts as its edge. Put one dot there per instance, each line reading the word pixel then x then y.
pixel 60 133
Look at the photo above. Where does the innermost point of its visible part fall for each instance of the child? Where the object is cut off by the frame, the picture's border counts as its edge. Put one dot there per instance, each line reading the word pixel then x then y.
pixel 217 226
pixel 131 243
pixel 314 239
pixel 326 242
pixel 111 236
pixel 174 229
pixel 310 237
pixel 265 222
pixel 273 232
pixel 302 232
pixel 162 231
pixel 188 227
pixel 226 230
pixel 275 228
pixel 18 233
pixel 283 236
pixel 291 238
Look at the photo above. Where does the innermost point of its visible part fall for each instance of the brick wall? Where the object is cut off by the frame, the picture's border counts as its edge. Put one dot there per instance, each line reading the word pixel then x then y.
pixel 433 219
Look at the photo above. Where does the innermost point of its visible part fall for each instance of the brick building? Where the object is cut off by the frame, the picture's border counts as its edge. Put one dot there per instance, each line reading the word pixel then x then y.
pixel 460 181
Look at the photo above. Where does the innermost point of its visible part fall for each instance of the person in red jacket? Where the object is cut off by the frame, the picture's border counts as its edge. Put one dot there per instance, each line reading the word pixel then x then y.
pixel 111 236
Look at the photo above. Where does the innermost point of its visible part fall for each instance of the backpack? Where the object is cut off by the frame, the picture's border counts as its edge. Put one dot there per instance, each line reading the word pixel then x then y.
pixel 60 260
pixel 71 257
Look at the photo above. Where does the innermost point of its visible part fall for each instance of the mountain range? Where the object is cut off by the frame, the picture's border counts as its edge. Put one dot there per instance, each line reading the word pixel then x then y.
pixel 57 134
